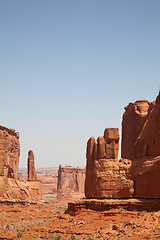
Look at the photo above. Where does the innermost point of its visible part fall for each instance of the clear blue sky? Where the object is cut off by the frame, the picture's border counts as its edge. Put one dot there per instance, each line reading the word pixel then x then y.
pixel 68 68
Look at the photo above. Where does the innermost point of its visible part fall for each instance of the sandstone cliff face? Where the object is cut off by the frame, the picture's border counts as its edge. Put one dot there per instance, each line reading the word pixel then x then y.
pixel 107 177
pixel 133 122
pixel 9 152
pixel 70 182
pixel 148 142
pixel 145 173
pixel 10 186
pixel 141 143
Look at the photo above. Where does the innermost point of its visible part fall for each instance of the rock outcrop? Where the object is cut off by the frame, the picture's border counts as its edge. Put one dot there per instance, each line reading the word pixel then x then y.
pixel 9 152
pixel 10 186
pixel 148 141
pixel 145 174
pixel 136 174
pixel 106 176
pixel 70 182
pixel 134 118
pixel 31 167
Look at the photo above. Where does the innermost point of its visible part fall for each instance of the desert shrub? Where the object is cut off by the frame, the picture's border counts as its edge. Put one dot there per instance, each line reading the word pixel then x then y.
pixel 73 237
pixel 58 237
pixel 19 235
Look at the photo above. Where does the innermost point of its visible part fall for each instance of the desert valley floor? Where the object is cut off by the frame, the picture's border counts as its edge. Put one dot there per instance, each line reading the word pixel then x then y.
pixel 47 220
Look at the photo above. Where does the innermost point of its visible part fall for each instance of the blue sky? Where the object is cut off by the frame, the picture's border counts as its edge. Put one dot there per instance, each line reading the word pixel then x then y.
pixel 68 69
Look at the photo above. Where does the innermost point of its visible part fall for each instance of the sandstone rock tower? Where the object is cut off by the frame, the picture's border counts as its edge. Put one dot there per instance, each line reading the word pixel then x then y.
pixel 31 167
pixel 102 170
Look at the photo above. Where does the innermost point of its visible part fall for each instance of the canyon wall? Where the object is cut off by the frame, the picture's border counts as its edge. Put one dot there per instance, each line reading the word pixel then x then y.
pixel 10 185
pixel 70 182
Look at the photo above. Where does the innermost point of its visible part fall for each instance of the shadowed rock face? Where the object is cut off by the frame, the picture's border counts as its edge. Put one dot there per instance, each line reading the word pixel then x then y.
pixel 141 129
pixel 107 177
pixel 31 167
pixel 148 142
pixel 70 182
pixel 134 118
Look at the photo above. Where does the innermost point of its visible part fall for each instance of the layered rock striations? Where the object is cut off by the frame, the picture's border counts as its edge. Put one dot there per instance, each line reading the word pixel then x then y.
pixel 106 176
pixel 10 186
pixel 70 182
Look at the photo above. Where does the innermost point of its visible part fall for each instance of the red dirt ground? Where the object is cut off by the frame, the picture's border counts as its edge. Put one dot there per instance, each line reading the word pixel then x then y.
pixel 48 221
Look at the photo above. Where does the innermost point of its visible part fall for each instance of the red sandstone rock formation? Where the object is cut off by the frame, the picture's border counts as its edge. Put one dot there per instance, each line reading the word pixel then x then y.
pixel 141 143
pixel 145 173
pixel 70 182
pixel 106 177
pixel 133 122
pixel 10 186
pixel 31 167
pixel 148 141
pixel 9 152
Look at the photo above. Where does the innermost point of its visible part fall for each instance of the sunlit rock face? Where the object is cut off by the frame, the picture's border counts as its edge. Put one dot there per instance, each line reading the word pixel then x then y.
pixel 70 183
pixel 106 176
pixel 31 167
pixel 10 186
pixel 9 152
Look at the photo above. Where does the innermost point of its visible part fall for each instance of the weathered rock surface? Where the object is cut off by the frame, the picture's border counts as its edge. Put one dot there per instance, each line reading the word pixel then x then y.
pixel 134 118
pixel 141 143
pixel 145 173
pixel 10 186
pixel 48 181
pixel 148 142
pixel 107 177
pixel 9 152
pixel 18 189
pixel 31 167
pixel 70 182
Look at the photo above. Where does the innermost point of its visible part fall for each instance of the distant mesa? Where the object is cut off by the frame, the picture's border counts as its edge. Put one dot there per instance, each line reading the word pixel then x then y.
pixel 70 183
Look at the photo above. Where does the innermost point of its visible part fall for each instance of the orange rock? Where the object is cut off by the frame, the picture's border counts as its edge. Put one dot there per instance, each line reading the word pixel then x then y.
pixel 70 182
pixel 10 186
pixel 106 177
pixel 31 167
pixel 9 152
pixel 134 118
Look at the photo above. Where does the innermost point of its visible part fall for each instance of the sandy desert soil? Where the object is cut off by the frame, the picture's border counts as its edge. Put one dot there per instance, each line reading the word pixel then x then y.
pixel 48 220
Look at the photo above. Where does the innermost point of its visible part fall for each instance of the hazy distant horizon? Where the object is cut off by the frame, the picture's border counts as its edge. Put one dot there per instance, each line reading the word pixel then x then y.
pixel 68 69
